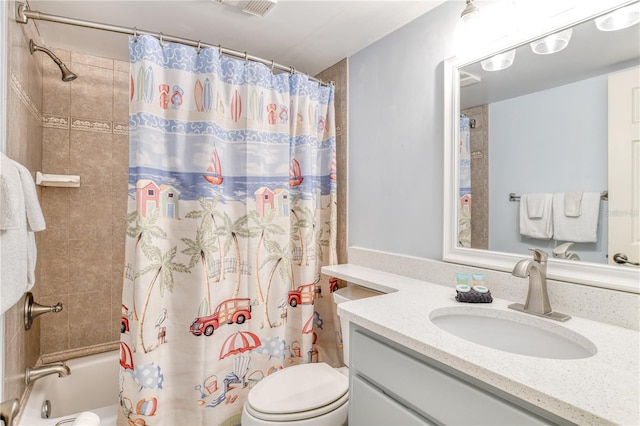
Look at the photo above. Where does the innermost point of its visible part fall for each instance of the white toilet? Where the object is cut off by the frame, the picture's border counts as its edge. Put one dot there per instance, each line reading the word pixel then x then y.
pixel 306 394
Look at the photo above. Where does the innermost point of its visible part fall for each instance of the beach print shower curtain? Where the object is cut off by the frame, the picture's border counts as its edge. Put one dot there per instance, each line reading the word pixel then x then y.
pixel 231 214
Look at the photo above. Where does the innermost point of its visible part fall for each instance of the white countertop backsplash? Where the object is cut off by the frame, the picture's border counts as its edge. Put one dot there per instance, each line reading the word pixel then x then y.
pixel 599 304
pixel 601 389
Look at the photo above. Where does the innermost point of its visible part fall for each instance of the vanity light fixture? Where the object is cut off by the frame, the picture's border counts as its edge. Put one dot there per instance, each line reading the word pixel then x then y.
pixel 619 19
pixel 552 43
pixel 468 30
pixel 500 61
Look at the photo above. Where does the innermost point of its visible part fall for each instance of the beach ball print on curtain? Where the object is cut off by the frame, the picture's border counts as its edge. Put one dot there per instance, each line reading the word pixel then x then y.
pixel 231 215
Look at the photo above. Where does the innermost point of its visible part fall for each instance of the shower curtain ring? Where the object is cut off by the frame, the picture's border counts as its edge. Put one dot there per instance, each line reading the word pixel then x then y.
pixel 161 38
pixel 246 57
pixel 135 35
pixel 198 48
pixel 272 65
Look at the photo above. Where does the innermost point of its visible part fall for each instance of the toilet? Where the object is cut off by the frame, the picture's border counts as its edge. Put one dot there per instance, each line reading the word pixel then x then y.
pixel 306 394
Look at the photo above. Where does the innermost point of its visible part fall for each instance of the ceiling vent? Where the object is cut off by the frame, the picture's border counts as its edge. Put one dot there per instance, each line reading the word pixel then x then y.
pixel 467 79
pixel 259 7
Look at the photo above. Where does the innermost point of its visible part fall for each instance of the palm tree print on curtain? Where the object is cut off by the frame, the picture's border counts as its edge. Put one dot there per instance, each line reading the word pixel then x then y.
pixel 231 215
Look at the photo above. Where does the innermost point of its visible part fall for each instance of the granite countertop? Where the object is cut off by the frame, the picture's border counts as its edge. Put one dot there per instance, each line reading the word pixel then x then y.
pixel 601 389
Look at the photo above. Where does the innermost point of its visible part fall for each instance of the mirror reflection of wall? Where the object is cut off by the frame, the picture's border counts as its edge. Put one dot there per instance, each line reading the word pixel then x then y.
pixel 478 212
pixel 552 141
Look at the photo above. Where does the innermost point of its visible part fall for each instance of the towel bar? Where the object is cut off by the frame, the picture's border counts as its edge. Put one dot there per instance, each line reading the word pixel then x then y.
pixel 604 195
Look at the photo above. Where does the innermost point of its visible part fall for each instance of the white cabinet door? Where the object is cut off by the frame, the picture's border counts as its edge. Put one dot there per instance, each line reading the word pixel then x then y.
pixel 369 406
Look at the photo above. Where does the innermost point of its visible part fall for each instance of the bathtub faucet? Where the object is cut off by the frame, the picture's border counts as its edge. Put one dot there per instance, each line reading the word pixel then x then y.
pixel 35 373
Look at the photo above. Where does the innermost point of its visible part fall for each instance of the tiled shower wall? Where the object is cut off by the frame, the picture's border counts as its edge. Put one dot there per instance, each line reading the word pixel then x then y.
pixel 85 132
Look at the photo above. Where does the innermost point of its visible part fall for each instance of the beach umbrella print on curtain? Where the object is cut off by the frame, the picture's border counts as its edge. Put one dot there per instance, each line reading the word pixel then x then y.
pixel 239 342
pixel 272 346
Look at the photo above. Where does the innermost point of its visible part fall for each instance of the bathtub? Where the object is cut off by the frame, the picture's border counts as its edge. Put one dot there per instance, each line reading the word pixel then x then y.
pixel 91 386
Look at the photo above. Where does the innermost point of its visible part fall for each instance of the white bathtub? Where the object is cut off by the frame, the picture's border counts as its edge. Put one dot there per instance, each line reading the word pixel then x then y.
pixel 91 386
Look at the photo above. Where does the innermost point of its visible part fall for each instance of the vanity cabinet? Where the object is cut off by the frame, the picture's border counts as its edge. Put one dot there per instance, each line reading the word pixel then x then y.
pixel 393 385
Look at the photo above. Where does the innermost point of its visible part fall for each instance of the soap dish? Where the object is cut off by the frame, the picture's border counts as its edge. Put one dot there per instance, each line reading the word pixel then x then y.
pixel 474 296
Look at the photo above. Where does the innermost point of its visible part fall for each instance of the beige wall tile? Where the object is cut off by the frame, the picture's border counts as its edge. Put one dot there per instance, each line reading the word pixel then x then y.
pixel 121 96
pixel 15 363
pixel 90 267
pixel 120 163
pixel 55 151
pixel 90 157
pixel 53 258
pixel 55 207
pixel 92 92
pixel 90 213
pixel 95 61
pixel 56 94
pixel 90 318
pixel 121 66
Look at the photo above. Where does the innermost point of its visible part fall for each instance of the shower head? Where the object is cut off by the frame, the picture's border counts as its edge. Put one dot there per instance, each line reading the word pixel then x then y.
pixel 67 75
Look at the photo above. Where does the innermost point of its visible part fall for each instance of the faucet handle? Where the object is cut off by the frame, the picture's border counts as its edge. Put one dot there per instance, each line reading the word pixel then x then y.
pixel 539 255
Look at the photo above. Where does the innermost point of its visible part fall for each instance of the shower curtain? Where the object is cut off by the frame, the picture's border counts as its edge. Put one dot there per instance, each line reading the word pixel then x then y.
pixel 231 214
pixel 464 208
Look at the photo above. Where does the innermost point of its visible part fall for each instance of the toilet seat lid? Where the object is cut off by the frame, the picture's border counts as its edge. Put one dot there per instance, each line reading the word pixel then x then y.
pixel 298 389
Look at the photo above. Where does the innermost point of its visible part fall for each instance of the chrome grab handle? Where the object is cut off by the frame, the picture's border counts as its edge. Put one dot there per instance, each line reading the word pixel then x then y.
pixel 621 259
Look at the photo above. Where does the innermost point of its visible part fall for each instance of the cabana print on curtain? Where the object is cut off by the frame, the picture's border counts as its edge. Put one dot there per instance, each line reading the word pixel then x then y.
pixel 232 212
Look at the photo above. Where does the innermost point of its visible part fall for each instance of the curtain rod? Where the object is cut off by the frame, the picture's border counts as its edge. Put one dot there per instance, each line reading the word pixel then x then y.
pixel 23 14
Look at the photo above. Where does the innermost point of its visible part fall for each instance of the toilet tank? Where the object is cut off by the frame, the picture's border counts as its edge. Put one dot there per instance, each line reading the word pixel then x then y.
pixel 345 294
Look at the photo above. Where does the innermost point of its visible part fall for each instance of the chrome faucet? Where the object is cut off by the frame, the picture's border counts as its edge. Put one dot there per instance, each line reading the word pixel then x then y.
pixel 537 302
pixel 35 373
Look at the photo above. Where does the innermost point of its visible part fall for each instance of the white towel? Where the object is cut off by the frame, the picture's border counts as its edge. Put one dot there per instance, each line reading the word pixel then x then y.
pixel 573 204
pixel 17 245
pixel 11 201
pixel 536 220
pixel 577 229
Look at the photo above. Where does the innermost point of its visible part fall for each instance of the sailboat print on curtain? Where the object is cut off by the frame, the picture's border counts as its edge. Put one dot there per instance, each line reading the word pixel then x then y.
pixel 222 274
pixel 295 175
pixel 215 171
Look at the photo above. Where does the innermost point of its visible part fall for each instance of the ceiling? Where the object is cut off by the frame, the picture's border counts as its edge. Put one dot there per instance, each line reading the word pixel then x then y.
pixel 308 35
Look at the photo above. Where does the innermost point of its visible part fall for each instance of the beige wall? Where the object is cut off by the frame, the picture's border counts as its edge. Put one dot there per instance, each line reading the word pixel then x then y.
pixel 24 139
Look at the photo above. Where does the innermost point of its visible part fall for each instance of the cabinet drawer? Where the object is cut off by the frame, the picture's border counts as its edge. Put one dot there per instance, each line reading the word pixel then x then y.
pixel 368 406
pixel 430 391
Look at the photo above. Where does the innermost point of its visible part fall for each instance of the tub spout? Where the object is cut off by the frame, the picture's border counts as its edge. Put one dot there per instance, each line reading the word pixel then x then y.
pixel 35 373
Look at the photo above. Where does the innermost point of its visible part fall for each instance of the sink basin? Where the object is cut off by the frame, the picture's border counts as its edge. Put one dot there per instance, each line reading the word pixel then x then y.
pixel 513 332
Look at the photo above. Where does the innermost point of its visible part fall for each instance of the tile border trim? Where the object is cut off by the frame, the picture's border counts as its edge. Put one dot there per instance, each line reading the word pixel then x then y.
pixel 22 93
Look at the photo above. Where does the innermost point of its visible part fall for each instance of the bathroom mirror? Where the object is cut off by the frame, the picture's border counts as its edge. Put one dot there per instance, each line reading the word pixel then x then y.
pixel 554 158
